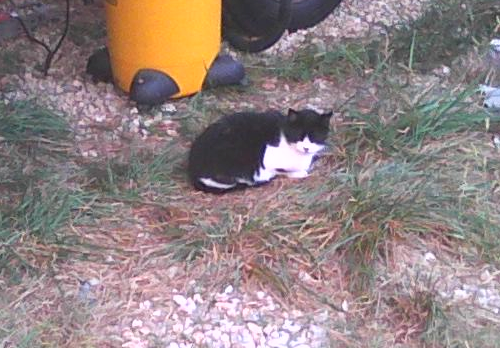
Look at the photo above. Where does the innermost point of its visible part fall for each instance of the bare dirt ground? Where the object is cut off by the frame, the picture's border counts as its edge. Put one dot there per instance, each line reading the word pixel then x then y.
pixel 165 266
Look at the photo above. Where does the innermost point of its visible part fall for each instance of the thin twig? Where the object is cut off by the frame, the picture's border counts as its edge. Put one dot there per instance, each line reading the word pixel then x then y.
pixel 50 53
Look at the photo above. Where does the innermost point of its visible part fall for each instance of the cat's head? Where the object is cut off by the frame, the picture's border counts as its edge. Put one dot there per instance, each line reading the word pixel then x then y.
pixel 306 130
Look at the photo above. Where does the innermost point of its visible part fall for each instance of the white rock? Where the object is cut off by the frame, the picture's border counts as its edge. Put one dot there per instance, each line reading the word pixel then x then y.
pixel 145 330
pixel 178 328
pixel 173 345
pixel 225 338
pixel 255 329
pixel 429 257
pixel 216 334
pixel 94 281
pixel 198 337
pixel 459 294
pixel 299 341
pixel 261 295
pixel 145 304
pixel 345 306
pixel 291 326
pixel 180 300
pixel 280 340
pixel 229 289
pixel 157 313
pixel 189 307
pixel 136 323
pixel 198 298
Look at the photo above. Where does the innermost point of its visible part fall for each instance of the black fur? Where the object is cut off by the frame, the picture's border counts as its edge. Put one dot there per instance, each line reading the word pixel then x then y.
pixel 233 147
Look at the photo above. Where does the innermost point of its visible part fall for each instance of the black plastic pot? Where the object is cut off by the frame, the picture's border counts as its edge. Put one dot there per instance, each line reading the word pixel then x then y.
pixel 240 34
pixel 255 16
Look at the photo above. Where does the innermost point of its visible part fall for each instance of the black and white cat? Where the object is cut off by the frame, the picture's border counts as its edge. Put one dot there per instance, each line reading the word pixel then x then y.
pixel 248 149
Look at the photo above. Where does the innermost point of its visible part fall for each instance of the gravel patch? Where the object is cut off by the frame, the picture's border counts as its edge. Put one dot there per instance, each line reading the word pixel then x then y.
pixel 222 320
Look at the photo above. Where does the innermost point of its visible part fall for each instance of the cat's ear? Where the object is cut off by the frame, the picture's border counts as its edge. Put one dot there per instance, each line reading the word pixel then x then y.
pixel 292 115
pixel 325 118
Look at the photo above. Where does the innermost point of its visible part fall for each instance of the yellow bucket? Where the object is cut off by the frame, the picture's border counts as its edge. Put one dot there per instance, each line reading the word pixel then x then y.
pixel 180 38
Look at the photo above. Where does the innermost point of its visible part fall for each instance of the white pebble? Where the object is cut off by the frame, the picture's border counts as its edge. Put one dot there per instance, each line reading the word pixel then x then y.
pixel 145 305
pixel 229 289
pixel 280 340
pixel 255 329
pixel 225 338
pixel 291 326
pixel 198 337
pixel 460 294
pixel 180 300
pixel 345 306
pixel 136 323
pixel 198 298
pixel 216 334
pixel 178 328
pixel 145 330
pixel 93 281
pixel 429 257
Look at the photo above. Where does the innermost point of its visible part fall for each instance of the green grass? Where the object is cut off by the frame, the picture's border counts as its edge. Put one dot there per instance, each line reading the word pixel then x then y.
pixel 340 61
pixel 446 31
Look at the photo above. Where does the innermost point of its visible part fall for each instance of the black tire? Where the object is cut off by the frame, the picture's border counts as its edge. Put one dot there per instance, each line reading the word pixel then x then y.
pixel 243 37
pixel 305 13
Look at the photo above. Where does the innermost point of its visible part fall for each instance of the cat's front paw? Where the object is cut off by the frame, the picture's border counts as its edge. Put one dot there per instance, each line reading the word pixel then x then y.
pixel 297 175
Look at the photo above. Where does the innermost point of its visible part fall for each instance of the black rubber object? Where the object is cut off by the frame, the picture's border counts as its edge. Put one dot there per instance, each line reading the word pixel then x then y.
pixel 152 87
pixel 99 66
pixel 257 14
pixel 244 37
pixel 224 71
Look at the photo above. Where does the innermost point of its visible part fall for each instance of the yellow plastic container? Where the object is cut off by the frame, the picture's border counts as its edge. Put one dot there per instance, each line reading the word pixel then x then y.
pixel 178 37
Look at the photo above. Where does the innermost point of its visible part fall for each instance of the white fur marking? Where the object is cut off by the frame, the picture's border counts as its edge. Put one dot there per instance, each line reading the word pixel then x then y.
pixel 212 183
pixel 307 146
pixel 298 174
pixel 291 158
pixel 244 181
pixel 264 174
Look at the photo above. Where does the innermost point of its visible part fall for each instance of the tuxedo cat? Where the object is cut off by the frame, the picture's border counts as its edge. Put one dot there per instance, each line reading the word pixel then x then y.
pixel 248 149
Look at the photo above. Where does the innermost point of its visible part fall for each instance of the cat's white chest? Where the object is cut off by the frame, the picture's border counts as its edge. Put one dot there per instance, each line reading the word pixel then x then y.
pixel 286 157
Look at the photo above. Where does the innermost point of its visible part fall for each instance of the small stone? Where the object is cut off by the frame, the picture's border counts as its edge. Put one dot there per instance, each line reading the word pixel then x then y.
pixel 127 334
pixel 291 326
pixel 198 337
pixel 261 295
pixel 157 313
pixel 229 289
pixel 136 323
pixel 459 294
pixel 189 307
pixel 280 340
pixel 485 276
pixel 345 306
pixel 178 328
pixel 255 329
pixel 145 304
pixel 216 334
pixel 93 281
pixel 269 329
pixel 225 338
pixel 197 298
pixel 168 108
pixel 180 300
pixel 429 257
pixel 145 330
